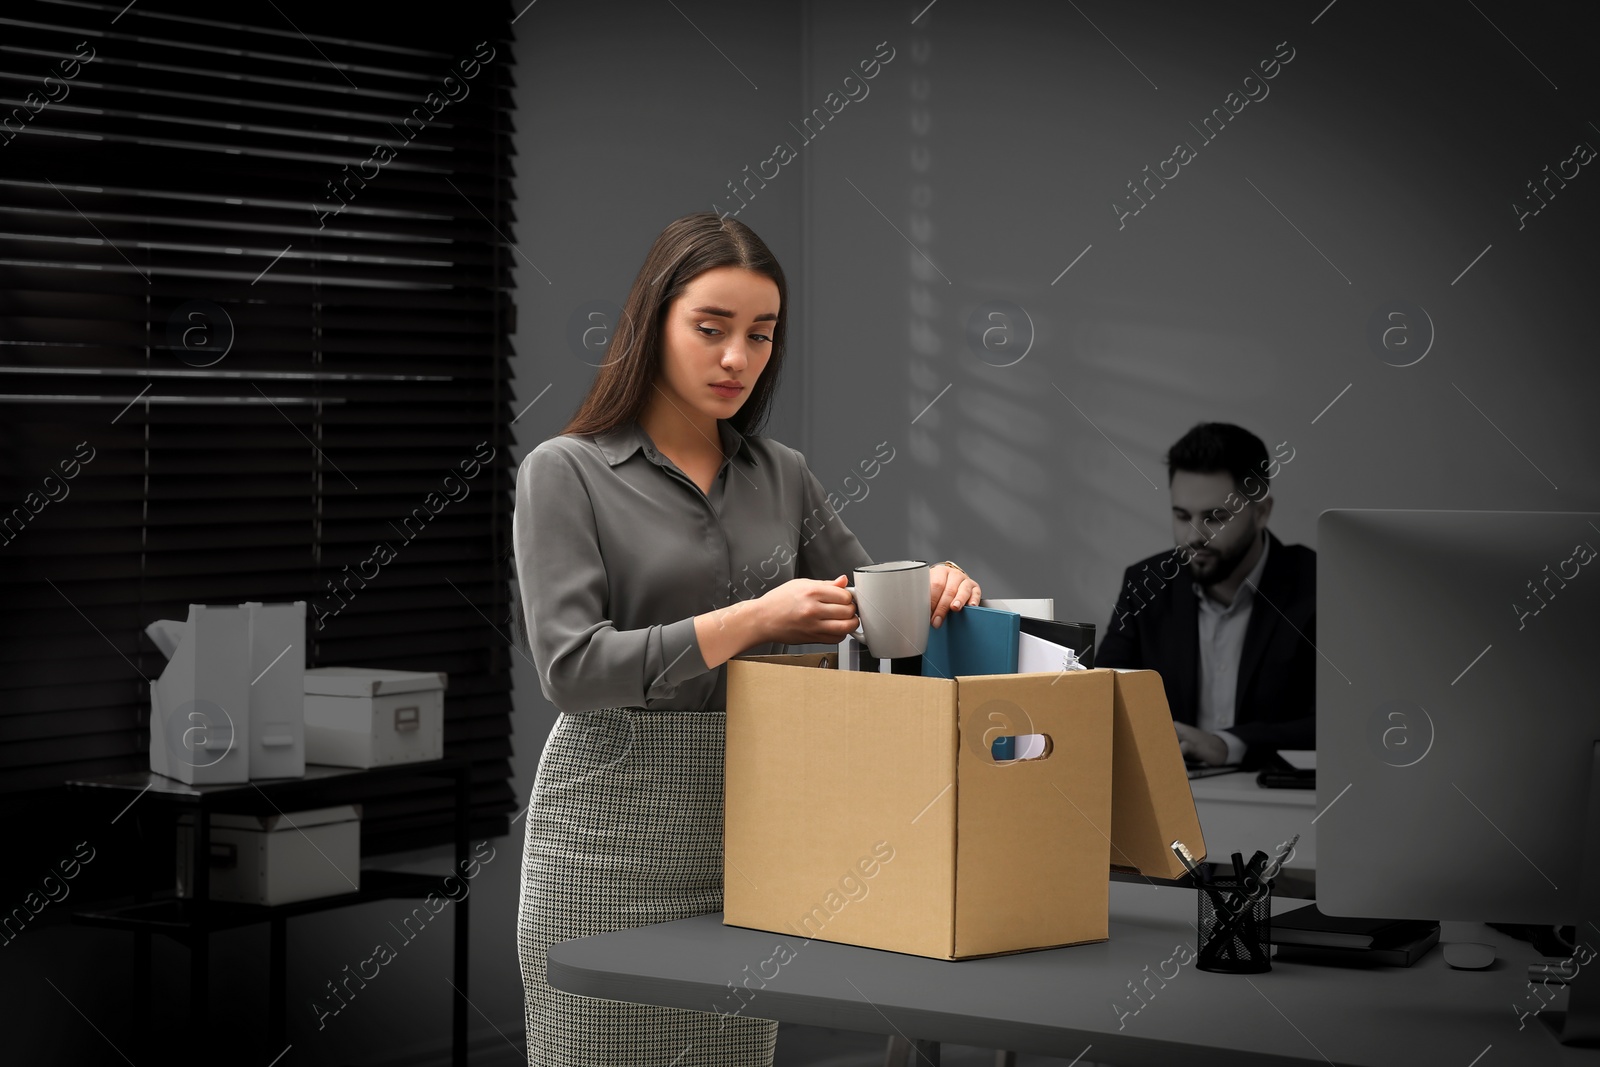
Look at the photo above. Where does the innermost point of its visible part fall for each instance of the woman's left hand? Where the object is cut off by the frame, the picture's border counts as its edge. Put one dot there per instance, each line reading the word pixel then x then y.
pixel 949 589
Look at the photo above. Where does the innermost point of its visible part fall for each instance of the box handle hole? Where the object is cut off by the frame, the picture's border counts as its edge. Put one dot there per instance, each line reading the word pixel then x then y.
pixel 1021 747
pixel 405 718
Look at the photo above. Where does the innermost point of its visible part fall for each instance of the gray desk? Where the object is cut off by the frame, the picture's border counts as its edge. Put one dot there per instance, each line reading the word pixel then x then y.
pixel 1236 814
pixel 1060 1001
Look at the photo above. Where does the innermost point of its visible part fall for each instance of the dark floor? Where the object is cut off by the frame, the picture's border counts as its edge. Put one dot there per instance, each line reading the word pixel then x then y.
pixel 811 1046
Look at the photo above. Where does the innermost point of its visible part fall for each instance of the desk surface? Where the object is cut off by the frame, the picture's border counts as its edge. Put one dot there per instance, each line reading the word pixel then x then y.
pixel 1059 1001
pixel 1240 787
pixel 1236 814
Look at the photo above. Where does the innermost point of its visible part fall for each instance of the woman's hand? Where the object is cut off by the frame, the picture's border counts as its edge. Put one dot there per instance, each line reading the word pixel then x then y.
pixel 949 589
pixel 806 611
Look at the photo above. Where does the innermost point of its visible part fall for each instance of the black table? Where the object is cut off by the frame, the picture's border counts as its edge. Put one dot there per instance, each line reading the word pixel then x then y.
pixel 155 800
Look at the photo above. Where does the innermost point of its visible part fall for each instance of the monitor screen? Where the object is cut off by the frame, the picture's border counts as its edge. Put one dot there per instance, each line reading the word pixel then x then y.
pixel 1457 712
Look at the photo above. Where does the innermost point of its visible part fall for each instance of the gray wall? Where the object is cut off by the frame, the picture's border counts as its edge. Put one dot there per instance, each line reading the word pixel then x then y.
pixel 1381 161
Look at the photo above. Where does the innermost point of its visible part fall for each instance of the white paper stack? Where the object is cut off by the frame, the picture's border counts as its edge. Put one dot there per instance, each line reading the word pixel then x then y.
pixel 1036 655
pixel 1033 608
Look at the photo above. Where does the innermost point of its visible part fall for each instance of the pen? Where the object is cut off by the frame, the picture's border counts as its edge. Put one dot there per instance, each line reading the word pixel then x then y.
pixel 1201 882
pixel 1260 863
pixel 1244 896
pixel 1186 858
pixel 1237 898
pixel 1252 870
pixel 1552 973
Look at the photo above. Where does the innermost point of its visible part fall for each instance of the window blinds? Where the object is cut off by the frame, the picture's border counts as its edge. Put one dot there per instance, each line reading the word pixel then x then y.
pixel 253 319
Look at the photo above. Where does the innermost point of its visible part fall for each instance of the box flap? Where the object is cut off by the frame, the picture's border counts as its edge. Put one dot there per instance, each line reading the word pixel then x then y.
pixel 280 821
pixel 1031 830
pixel 840 814
pixel 1151 802
pixel 369 681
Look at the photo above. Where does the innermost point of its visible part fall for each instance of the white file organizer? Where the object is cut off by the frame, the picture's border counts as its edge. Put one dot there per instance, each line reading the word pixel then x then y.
pixel 208 723
pixel 200 706
pixel 278 689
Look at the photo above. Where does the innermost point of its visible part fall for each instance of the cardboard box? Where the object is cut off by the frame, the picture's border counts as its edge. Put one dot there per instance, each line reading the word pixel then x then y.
pixel 868 809
pixel 372 717
pixel 1151 802
pixel 277 859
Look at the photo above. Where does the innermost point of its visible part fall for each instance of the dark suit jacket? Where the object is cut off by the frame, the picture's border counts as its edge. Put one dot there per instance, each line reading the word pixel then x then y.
pixel 1156 626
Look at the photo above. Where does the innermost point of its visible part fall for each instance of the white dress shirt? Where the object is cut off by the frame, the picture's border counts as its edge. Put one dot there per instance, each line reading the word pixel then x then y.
pixel 1222 630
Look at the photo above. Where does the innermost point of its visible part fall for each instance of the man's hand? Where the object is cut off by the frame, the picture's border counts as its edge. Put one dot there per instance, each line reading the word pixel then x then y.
pixel 1198 744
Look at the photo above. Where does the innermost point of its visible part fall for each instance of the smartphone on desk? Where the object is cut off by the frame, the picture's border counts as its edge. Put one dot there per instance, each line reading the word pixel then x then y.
pixel 1280 773
pixel 1274 778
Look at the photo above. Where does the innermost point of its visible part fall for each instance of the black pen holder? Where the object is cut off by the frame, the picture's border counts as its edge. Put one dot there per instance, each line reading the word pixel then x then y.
pixel 1235 926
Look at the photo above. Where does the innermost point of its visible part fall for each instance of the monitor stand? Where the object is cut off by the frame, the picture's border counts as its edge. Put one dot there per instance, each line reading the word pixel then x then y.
pixel 1579 1025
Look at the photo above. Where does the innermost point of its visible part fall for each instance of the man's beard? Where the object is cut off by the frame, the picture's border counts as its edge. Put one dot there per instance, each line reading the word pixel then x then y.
pixel 1221 566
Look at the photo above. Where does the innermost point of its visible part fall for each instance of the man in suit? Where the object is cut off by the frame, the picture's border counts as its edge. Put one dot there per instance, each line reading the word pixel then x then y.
pixel 1227 617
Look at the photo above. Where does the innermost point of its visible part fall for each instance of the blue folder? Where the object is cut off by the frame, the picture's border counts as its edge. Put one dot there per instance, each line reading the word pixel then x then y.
pixel 974 640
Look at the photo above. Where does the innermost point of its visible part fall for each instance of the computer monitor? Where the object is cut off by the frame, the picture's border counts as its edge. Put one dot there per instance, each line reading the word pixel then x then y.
pixel 1458 716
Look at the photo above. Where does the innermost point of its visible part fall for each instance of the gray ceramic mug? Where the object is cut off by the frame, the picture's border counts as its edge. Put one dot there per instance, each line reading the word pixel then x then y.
pixel 892 600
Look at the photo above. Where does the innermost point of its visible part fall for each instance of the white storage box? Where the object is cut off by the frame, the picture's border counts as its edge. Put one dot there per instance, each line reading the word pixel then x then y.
pixel 371 717
pixel 277 859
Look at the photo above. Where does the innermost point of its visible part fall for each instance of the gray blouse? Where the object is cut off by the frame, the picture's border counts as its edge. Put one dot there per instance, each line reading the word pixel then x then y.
pixel 617 550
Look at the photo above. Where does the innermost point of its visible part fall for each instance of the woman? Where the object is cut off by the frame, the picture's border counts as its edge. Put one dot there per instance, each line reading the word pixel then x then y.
pixel 629 530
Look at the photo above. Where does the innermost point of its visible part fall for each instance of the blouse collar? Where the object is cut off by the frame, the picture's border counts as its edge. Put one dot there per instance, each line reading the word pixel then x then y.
pixel 618 444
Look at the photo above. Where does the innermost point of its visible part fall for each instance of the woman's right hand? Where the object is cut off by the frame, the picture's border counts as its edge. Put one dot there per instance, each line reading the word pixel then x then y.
pixel 806 611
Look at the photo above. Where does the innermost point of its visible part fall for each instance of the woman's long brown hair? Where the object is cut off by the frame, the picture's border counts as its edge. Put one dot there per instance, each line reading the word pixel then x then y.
pixel 687 248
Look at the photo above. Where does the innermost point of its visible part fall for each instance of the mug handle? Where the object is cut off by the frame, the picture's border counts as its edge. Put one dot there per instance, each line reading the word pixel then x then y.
pixel 859 632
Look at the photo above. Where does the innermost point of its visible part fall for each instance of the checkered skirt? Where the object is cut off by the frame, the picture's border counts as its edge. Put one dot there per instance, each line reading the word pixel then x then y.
pixel 625 829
